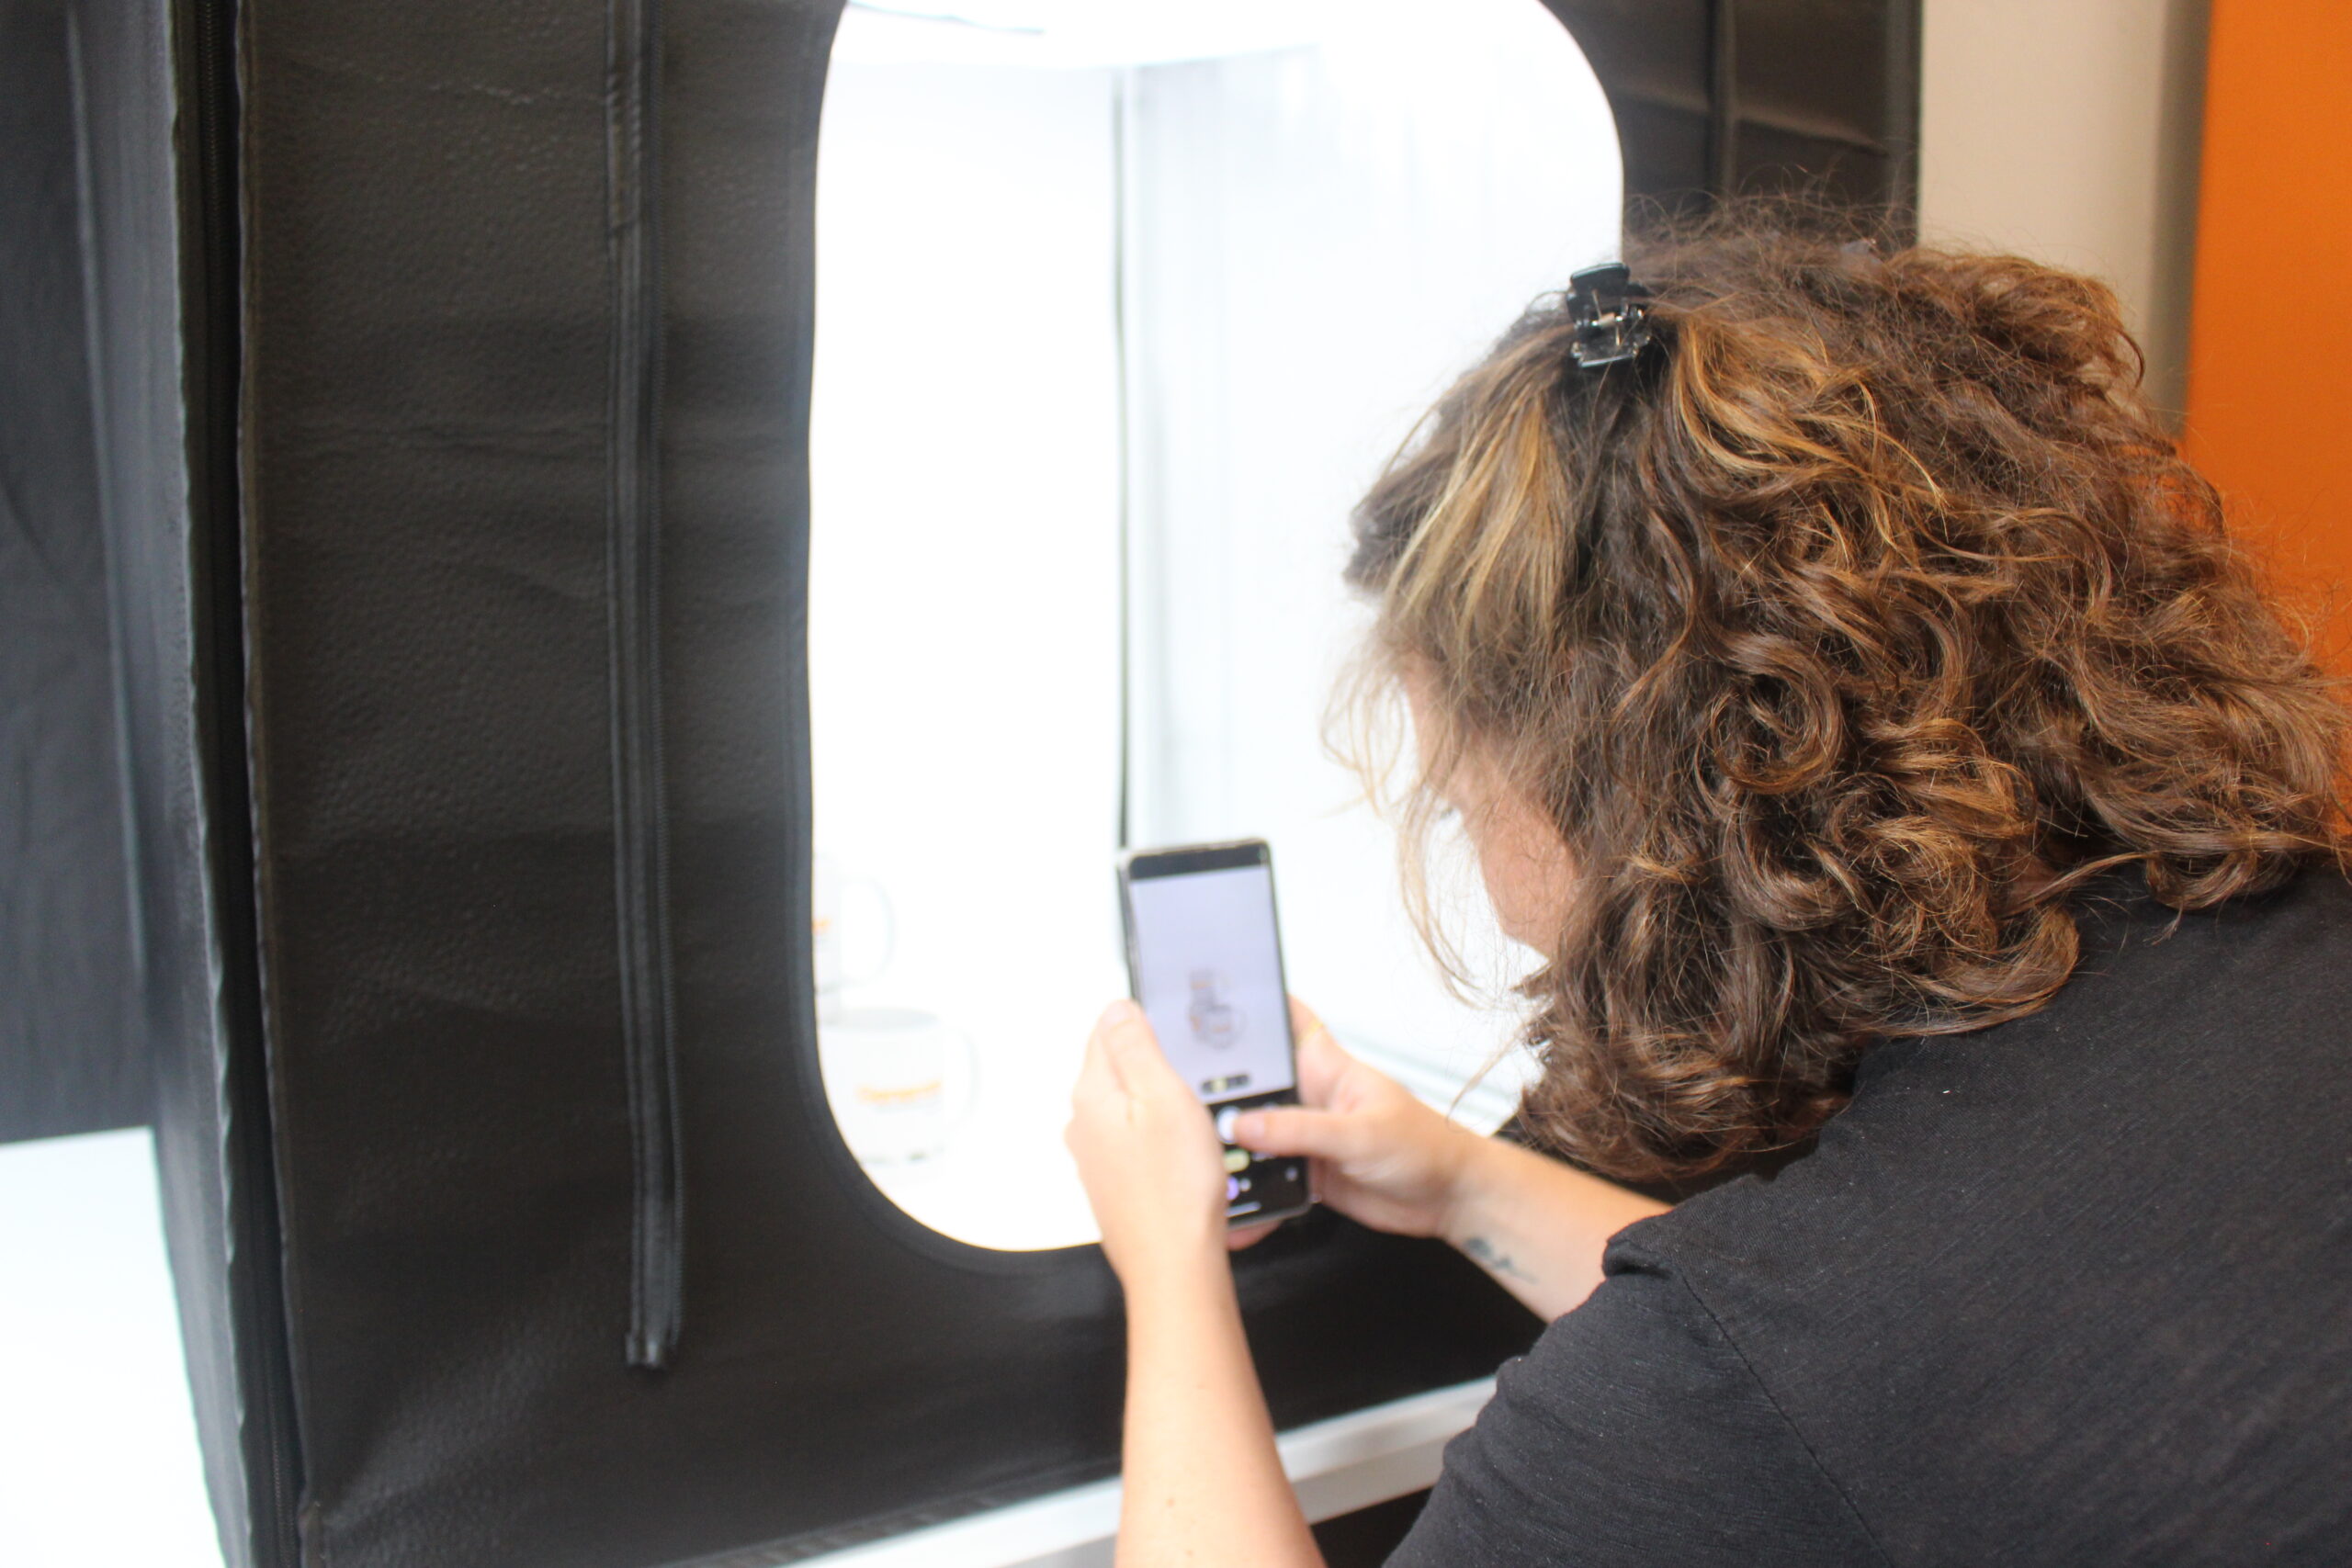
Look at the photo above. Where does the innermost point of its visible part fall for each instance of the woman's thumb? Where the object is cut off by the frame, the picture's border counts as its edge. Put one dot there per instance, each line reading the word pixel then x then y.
pixel 1325 1134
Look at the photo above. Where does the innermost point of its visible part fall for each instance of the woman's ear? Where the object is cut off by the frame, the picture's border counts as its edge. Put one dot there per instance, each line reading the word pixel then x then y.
pixel 1438 763
pixel 1528 868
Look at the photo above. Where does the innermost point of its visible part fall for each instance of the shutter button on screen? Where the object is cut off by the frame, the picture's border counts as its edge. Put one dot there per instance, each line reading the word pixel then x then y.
pixel 1235 1160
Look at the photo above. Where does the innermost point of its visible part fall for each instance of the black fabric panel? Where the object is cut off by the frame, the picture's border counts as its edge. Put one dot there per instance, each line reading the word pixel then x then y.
pixel 1815 64
pixel 427 361
pixel 71 1057
pixel 1723 97
pixel 1827 99
pixel 1666 146
pixel 431 439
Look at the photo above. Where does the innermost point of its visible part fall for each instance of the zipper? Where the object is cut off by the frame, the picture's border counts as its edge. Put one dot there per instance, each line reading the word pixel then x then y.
pixel 640 849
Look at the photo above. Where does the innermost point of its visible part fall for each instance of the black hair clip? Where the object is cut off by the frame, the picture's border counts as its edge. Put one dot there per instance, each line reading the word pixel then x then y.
pixel 1610 322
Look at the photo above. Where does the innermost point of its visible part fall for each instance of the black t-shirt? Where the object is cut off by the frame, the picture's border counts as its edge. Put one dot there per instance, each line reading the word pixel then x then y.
pixel 2072 1289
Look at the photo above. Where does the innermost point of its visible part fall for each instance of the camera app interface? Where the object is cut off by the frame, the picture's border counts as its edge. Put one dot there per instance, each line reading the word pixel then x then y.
pixel 1209 977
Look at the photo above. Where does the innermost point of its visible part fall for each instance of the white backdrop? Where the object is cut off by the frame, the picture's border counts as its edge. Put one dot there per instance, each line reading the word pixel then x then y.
pixel 1105 279
pixel 1321 239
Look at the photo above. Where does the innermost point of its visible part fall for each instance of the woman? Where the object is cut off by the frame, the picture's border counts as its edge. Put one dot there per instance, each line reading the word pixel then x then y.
pixel 1854 698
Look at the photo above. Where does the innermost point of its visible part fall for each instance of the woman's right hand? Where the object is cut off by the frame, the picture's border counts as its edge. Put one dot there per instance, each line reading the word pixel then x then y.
pixel 1388 1161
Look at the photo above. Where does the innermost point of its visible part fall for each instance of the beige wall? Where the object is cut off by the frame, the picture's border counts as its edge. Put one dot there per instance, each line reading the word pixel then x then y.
pixel 2068 130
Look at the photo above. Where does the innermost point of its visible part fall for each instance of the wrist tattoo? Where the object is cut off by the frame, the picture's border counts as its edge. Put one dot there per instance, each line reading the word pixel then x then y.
pixel 1496 1261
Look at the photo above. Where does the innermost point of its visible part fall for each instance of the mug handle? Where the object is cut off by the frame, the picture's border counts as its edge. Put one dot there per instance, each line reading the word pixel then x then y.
pixel 968 1055
pixel 889 930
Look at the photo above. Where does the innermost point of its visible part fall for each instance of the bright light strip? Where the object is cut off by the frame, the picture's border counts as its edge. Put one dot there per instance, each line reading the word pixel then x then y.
pixel 1014 17
pixel 1084 33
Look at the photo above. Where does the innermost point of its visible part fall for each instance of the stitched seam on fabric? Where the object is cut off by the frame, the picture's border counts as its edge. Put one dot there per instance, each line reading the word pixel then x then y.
pixel 1860 1522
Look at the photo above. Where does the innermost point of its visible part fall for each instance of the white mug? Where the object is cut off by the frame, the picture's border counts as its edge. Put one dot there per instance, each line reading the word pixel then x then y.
pixel 900 1081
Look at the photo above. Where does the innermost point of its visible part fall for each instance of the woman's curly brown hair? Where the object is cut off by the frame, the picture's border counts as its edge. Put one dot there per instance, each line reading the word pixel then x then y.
pixel 1843 634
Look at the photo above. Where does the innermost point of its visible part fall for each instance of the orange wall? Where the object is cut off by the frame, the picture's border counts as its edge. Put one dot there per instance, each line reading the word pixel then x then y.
pixel 2270 341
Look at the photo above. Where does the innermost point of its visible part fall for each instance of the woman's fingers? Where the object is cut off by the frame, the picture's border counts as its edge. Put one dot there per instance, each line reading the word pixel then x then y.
pixel 1112 1040
pixel 1134 1054
pixel 1239 1237
pixel 1097 1076
pixel 1094 1079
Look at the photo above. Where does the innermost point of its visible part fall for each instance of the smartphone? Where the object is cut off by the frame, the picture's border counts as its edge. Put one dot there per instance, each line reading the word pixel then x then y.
pixel 1205 961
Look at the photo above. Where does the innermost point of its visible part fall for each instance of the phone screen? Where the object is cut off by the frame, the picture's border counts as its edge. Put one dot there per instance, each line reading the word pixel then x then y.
pixel 1204 954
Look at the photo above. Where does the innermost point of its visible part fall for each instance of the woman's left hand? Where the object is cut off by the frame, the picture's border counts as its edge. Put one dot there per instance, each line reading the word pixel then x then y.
pixel 1153 1168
